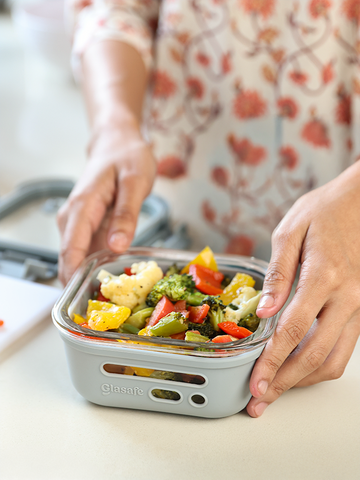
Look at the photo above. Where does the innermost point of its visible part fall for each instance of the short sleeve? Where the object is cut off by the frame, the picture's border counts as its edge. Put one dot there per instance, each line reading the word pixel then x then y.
pixel 130 21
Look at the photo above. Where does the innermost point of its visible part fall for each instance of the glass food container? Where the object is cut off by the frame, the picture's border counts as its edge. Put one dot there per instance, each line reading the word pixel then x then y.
pixel 153 373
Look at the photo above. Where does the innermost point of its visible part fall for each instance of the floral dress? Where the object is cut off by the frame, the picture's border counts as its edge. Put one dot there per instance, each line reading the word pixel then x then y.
pixel 252 103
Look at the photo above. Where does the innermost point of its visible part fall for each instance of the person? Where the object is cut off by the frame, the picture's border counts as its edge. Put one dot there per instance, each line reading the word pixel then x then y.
pixel 242 114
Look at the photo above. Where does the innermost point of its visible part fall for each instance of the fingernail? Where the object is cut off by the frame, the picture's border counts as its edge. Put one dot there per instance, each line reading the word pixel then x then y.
pixel 259 409
pixel 266 301
pixel 262 387
pixel 119 240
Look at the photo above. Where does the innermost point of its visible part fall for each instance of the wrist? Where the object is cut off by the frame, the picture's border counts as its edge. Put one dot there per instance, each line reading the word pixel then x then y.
pixel 118 120
pixel 120 127
pixel 114 133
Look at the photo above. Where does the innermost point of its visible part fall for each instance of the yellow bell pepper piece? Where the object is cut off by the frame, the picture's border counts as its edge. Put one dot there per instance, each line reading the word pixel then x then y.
pixel 232 291
pixel 95 305
pixel 146 332
pixel 104 316
pixel 205 258
pixel 142 372
pixel 79 319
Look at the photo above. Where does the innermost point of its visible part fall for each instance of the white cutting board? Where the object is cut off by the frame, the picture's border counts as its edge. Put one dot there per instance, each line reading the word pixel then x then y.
pixel 23 304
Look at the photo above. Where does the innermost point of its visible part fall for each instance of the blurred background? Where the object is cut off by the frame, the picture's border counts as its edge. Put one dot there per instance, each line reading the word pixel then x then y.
pixel 43 130
pixel 43 139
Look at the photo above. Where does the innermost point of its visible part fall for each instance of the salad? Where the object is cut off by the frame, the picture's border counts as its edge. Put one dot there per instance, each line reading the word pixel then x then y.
pixel 196 303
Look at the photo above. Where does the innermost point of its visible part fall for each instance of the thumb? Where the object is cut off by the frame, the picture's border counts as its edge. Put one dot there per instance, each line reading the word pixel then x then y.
pixel 132 192
pixel 281 272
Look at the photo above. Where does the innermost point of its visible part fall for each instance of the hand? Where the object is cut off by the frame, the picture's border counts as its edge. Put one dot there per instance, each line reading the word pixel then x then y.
pixel 322 233
pixel 102 210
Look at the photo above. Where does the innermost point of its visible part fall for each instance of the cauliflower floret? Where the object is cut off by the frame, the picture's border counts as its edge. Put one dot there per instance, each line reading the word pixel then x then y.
pixel 245 307
pixel 130 290
pixel 245 294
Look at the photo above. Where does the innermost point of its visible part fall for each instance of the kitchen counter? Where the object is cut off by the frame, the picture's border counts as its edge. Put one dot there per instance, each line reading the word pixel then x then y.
pixel 49 432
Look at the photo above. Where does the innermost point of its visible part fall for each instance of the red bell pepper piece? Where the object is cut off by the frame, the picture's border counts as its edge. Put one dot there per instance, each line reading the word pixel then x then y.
pixel 85 325
pixel 100 297
pixel 232 329
pixel 178 336
pixel 198 314
pixel 180 305
pixel 127 270
pixel 163 308
pixel 222 339
pixel 206 280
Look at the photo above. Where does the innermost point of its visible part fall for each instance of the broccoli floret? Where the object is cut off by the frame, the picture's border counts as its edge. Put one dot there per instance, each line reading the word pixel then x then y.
pixel 251 322
pixel 216 312
pixel 177 287
pixel 204 329
pixel 172 270
pixel 195 298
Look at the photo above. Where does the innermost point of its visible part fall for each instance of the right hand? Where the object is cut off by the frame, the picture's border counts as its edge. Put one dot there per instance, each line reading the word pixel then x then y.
pixel 103 208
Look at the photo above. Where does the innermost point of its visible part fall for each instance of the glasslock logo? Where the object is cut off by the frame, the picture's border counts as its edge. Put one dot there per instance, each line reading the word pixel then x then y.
pixel 107 388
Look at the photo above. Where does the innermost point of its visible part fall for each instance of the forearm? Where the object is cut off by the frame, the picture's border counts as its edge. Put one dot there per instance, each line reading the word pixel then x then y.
pixel 114 85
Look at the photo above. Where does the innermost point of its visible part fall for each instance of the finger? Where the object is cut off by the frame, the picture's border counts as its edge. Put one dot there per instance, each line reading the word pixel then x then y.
pixel 132 191
pixel 334 365
pixel 83 219
pixel 286 250
pixel 294 323
pixel 307 358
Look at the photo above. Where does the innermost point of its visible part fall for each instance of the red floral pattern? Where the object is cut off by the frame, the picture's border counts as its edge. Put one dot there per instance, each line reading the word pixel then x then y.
pixel 343 109
pixel 351 8
pixel 289 157
pixel 287 107
pixel 316 133
pixel 249 104
pixel 196 87
pixel 208 212
pixel 319 8
pixel 265 8
pixel 245 151
pixel 328 73
pixel 203 59
pixel 164 85
pixel 232 85
pixel 220 176
pixel 171 167
pixel 240 245
pixel 298 77
pixel 226 66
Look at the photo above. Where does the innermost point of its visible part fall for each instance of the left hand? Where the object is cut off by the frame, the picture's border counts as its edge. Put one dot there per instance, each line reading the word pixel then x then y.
pixel 322 233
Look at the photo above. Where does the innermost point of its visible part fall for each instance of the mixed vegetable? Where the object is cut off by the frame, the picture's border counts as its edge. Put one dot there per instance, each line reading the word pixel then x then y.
pixel 195 304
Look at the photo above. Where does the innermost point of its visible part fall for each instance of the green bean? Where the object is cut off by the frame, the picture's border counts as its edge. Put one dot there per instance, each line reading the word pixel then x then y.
pixel 195 337
pixel 128 328
pixel 142 306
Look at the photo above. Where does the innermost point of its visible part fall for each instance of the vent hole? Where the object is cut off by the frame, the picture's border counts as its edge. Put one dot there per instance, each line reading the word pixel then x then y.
pixel 189 378
pixel 198 399
pixel 165 394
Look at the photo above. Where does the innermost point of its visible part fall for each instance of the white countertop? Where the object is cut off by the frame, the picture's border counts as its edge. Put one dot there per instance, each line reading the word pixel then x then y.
pixel 48 431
